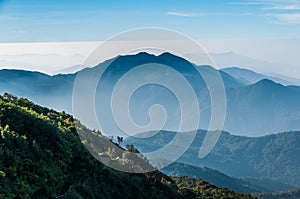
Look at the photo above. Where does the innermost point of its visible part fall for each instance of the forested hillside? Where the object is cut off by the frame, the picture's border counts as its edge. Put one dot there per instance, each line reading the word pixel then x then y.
pixel 41 156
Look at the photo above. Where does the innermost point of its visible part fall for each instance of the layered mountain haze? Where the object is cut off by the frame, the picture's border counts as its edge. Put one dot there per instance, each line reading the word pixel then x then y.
pixel 53 91
pixel 254 157
pixel 233 60
pixel 250 98
pixel 250 77
pixel 46 63
pixel 275 108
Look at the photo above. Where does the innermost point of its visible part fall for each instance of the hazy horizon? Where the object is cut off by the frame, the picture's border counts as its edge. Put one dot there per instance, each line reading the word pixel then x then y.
pixel 53 57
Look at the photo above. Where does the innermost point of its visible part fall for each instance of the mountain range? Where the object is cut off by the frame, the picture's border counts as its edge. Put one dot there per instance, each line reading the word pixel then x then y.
pixel 268 68
pixel 240 185
pixel 255 105
pixel 274 157
pixel 250 77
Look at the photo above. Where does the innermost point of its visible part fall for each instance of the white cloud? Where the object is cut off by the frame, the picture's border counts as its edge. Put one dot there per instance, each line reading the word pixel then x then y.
pixel 283 7
pixel 45 48
pixel 283 11
pixel 185 14
pixel 272 4
pixel 287 18
pixel 19 31
pixel 181 14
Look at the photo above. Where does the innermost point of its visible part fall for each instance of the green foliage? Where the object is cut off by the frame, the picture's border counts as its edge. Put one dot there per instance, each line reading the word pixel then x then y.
pixel 33 152
pixel 201 189
pixel 290 194
pixel 41 156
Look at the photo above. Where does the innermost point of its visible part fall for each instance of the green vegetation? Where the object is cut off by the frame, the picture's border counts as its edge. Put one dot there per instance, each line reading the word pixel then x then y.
pixel 41 156
pixel 290 194
pixel 202 189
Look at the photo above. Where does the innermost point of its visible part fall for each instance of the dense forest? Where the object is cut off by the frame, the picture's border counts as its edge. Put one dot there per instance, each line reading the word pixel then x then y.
pixel 41 156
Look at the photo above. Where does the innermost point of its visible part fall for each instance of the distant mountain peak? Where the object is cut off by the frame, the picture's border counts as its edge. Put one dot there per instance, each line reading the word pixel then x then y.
pixel 143 53
pixel 267 86
pixel 267 82
pixel 165 57
pixel 168 54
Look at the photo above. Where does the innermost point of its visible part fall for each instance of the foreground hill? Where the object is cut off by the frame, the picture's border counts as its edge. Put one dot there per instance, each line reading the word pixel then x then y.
pixel 41 156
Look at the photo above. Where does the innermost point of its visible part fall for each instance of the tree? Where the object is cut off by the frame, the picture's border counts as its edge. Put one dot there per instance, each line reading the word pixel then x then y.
pixel 120 140
pixel 111 138
pixel 131 148
pixel 9 97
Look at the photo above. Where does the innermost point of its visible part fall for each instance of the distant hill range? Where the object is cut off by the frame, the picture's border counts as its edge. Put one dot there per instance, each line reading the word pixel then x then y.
pixel 250 77
pixel 268 158
pixel 268 69
pixel 240 185
pixel 256 104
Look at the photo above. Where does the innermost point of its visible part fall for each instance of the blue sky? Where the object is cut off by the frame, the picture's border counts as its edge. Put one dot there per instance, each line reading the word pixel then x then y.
pixel 65 20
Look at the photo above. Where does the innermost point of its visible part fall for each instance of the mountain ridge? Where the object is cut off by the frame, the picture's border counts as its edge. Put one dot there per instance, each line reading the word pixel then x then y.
pixel 219 179
pixel 243 104
pixel 251 77
pixel 271 156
